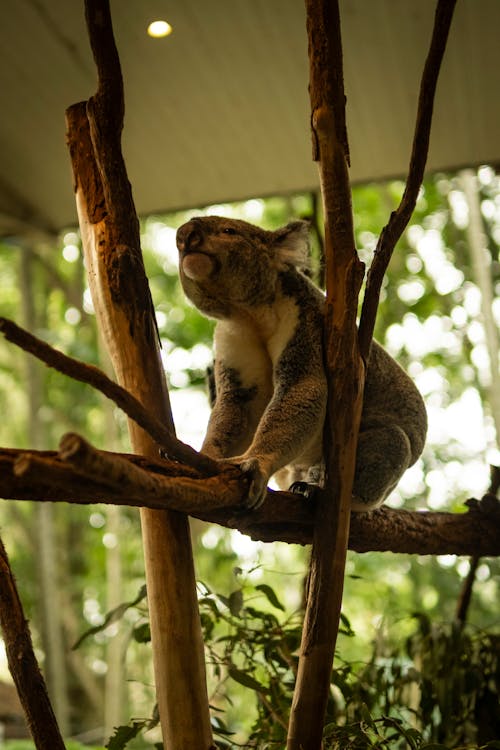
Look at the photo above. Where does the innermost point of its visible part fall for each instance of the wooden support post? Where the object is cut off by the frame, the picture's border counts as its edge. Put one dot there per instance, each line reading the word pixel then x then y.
pixel 110 237
pixel 344 275
pixel 345 352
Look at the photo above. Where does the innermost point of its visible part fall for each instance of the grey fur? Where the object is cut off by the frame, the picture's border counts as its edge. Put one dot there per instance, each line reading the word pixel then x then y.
pixel 271 388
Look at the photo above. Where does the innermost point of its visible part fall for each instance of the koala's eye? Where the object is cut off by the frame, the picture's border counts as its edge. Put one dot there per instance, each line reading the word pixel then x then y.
pixel 229 230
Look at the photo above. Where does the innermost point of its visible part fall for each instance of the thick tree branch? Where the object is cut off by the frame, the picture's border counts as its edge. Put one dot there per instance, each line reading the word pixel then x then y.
pixel 84 475
pixel 400 218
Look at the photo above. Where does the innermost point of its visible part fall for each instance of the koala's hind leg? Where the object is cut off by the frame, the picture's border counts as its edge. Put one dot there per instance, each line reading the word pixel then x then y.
pixel 384 454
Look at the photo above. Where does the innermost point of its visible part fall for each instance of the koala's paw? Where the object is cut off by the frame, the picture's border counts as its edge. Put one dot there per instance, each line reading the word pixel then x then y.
pixel 257 482
pixel 306 489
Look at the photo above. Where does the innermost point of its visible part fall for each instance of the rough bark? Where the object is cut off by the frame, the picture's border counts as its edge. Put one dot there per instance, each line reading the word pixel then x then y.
pixel 284 516
pixel 110 236
pixel 344 349
pixel 344 275
pixel 23 665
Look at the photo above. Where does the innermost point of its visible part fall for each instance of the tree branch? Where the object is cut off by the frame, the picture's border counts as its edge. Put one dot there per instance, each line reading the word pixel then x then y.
pixel 84 475
pixel 400 218
pixel 23 665
pixel 344 372
pixel 96 378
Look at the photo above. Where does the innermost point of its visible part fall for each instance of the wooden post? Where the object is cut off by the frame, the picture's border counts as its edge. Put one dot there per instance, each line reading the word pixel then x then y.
pixel 121 297
pixel 346 353
pixel 344 275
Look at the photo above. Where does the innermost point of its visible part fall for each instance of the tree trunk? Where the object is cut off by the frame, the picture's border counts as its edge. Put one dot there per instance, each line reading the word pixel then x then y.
pixel 344 274
pixel 110 236
pixel 52 630
pixel 481 268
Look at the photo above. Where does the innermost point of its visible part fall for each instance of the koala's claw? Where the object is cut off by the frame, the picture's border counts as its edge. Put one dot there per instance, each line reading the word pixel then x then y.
pixel 306 489
pixel 257 483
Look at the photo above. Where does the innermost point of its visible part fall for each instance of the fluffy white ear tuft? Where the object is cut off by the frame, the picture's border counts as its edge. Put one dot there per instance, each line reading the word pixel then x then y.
pixel 292 244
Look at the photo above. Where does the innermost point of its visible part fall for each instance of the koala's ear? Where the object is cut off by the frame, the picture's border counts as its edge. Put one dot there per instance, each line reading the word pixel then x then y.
pixel 291 243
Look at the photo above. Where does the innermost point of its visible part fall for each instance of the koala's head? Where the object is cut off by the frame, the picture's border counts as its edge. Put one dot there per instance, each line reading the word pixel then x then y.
pixel 228 264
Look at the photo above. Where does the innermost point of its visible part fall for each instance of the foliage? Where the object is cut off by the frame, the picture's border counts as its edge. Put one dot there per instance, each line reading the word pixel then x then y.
pixel 439 690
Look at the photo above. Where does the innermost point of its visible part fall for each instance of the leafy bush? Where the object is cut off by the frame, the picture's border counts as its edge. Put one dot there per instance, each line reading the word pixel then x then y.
pixel 439 691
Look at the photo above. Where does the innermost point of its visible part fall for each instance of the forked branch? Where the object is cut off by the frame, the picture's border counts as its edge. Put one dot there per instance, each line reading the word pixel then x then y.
pixel 399 219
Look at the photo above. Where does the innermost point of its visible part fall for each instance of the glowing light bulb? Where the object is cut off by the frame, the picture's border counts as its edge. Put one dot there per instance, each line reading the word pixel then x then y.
pixel 158 29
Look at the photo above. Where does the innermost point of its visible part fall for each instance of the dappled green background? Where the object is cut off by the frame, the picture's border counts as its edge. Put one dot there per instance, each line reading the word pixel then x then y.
pixel 429 319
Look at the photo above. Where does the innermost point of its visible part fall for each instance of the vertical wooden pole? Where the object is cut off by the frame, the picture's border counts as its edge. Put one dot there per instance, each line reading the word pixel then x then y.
pixel 344 275
pixel 346 352
pixel 110 237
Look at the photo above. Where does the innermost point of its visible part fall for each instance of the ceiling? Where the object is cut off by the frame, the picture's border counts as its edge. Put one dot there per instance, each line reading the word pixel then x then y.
pixel 219 110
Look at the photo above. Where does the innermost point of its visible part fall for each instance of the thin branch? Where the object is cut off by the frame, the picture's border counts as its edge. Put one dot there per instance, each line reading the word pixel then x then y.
pixel 465 595
pixel 400 218
pixel 94 377
pixel 23 665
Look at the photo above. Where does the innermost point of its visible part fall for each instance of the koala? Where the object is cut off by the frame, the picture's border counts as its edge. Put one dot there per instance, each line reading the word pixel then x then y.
pixel 270 381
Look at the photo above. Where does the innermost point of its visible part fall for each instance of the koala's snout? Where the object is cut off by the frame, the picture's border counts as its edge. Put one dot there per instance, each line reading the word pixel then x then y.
pixel 189 237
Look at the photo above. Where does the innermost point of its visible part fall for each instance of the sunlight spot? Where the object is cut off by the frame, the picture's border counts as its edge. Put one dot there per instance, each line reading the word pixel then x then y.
pixel 72 316
pixel 110 540
pixel 253 209
pixel 71 253
pixel 161 318
pixel 459 208
pixel 70 238
pixel 483 572
pixel 163 244
pixel 99 666
pixel 411 291
pixel 211 538
pixel 486 175
pixel 414 263
pixel 446 561
pixel 97 520
pixel 88 305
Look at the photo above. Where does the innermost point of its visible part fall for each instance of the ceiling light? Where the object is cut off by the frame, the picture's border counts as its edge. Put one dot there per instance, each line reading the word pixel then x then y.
pixel 158 29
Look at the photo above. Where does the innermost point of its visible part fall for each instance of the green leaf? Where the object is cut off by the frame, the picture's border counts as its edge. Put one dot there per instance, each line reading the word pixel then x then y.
pixel 142 633
pixel 270 595
pixel 112 616
pixel 247 680
pixel 124 734
pixel 235 602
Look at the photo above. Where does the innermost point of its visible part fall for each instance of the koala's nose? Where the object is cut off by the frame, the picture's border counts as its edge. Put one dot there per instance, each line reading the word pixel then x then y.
pixel 189 237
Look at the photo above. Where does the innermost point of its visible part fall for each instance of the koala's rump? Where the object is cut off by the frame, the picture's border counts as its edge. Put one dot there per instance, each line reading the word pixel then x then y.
pixel 391 395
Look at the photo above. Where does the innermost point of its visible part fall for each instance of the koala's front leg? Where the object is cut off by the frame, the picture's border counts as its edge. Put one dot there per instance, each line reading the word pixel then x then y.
pixel 232 420
pixel 291 424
